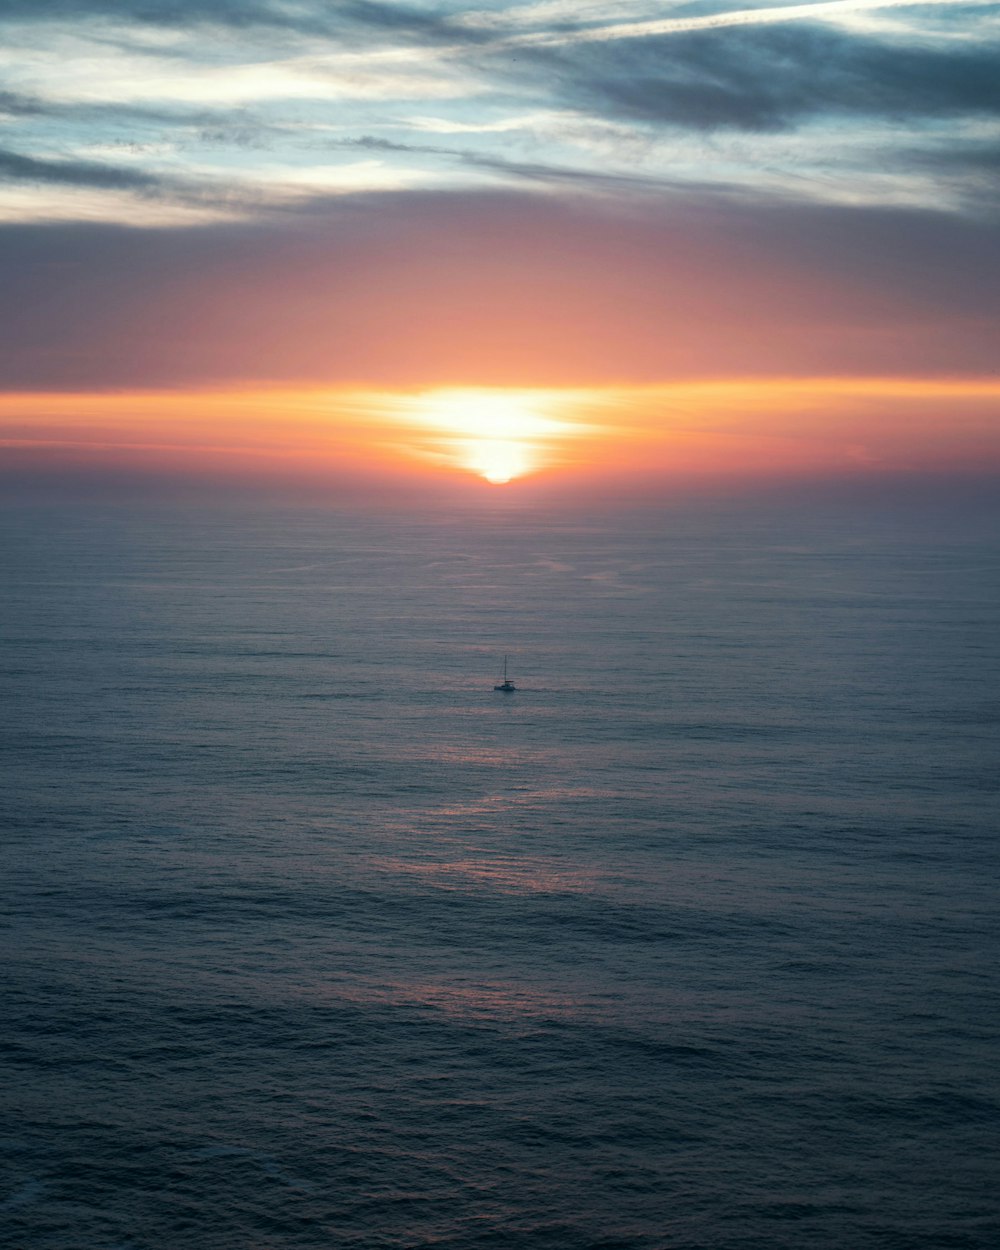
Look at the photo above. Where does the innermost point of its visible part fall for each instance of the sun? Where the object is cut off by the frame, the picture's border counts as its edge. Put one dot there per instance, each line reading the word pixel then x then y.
pixel 499 435
pixel 499 460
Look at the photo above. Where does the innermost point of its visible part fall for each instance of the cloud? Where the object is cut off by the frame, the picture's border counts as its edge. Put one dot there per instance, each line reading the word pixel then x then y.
pixel 15 165
pixel 156 12
pixel 53 189
pixel 530 171
pixel 705 99
pixel 770 78
pixel 305 18
pixel 719 100
pixel 760 15
pixel 14 103
pixel 972 155
pixel 103 74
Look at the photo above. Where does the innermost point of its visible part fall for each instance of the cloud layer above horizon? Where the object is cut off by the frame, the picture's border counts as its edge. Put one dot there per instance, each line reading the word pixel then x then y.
pixel 183 111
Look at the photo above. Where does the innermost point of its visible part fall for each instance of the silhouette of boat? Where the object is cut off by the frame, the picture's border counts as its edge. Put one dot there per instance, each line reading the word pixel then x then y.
pixel 506 685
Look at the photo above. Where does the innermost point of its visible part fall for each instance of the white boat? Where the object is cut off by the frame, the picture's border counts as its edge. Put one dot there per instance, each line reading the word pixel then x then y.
pixel 506 685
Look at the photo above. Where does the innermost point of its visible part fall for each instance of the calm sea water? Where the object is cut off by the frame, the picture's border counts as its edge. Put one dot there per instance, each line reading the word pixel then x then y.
pixel 313 940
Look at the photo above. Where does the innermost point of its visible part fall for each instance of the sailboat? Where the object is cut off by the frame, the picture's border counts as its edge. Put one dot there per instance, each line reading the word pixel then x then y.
pixel 506 685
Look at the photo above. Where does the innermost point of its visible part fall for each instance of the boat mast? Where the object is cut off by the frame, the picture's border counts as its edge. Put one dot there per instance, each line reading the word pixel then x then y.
pixel 505 682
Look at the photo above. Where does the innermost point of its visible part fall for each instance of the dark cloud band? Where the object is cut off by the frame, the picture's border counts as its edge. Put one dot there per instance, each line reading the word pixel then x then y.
pixel 770 77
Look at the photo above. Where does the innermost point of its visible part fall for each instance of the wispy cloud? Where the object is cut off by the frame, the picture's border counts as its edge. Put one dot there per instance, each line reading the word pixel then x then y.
pixel 88 71
pixel 235 107
pixel 758 79
pixel 16 165
pixel 757 16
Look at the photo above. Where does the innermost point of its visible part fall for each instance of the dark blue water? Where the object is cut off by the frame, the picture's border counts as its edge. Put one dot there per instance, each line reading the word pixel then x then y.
pixel 313 940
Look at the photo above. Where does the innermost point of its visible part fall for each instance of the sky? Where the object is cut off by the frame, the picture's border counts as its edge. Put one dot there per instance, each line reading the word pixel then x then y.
pixel 353 249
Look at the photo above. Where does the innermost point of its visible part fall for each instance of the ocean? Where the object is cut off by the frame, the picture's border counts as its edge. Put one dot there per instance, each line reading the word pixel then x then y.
pixel 314 940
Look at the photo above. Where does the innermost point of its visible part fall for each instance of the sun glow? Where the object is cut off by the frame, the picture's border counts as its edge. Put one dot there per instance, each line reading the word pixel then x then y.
pixel 500 435
pixel 685 430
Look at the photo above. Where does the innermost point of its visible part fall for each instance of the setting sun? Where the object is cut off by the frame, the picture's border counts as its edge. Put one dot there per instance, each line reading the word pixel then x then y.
pixel 499 461
pixel 500 435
